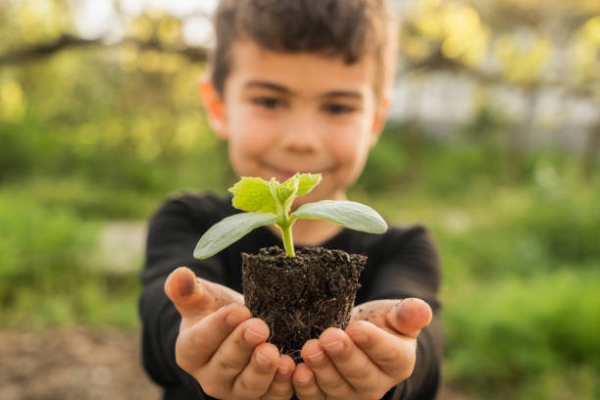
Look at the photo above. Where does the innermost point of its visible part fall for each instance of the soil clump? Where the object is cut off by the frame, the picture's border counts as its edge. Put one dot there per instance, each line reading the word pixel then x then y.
pixel 299 297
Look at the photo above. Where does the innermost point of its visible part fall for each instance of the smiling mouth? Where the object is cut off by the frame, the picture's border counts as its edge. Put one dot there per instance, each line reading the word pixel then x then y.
pixel 284 174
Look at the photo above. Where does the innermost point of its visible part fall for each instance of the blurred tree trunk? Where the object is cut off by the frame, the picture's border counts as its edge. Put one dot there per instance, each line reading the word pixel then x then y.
pixel 413 133
pixel 592 152
pixel 518 138
pixel 413 150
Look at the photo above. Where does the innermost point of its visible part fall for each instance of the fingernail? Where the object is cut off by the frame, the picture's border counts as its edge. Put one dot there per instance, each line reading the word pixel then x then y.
pixel 283 369
pixel 304 380
pixel 317 357
pixel 334 346
pixel 262 360
pixel 253 337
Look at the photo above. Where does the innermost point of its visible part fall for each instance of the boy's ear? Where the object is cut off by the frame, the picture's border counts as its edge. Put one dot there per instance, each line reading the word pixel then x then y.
pixel 214 106
pixel 380 119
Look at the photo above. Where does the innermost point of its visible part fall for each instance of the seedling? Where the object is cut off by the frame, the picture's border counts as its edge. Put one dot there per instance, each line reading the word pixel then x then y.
pixel 270 203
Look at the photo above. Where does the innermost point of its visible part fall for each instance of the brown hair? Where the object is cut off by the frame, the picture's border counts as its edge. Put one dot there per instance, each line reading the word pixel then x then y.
pixel 352 29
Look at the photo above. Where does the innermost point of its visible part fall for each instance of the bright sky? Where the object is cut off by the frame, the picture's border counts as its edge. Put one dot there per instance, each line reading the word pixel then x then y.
pixel 97 18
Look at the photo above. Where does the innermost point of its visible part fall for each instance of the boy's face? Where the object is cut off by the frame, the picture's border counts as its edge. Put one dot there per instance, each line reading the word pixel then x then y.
pixel 284 113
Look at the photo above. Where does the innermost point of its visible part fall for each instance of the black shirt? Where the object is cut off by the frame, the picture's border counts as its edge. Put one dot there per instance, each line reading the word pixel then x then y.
pixel 401 263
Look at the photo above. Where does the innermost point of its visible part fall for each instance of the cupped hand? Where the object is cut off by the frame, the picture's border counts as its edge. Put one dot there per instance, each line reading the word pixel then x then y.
pixel 221 346
pixel 373 354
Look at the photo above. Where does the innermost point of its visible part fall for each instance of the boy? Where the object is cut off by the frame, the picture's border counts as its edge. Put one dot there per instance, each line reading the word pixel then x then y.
pixel 297 86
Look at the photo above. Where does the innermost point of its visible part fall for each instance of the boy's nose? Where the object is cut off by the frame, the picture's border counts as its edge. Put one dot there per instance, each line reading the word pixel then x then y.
pixel 301 134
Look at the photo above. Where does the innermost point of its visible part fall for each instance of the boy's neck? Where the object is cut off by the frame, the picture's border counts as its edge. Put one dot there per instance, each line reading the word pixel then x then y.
pixel 311 232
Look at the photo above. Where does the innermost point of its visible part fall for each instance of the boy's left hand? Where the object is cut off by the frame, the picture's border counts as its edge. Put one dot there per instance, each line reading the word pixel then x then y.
pixel 375 352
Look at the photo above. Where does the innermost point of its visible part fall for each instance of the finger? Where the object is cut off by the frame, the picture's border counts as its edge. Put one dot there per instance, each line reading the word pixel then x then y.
pixel 328 378
pixel 305 385
pixel 221 295
pixel 406 316
pixel 197 343
pixel 409 316
pixel 355 370
pixel 373 311
pixel 194 297
pixel 281 387
pixel 394 354
pixel 235 352
pixel 186 294
pixel 256 378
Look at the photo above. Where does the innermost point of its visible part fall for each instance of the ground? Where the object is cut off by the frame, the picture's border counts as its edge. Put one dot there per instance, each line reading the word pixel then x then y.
pixel 75 364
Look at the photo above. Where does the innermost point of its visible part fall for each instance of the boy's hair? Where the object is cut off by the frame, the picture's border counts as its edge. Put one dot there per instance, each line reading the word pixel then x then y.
pixel 352 29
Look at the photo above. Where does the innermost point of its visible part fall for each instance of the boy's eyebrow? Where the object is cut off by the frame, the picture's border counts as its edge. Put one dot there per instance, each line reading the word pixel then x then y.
pixel 268 85
pixel 285 90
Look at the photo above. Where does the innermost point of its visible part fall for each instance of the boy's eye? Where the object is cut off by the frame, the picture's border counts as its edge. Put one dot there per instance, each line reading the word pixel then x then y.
pixel 268 102
pixel 337 109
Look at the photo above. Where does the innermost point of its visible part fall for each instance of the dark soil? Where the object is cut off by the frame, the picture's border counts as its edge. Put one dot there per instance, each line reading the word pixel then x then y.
pixel 299 297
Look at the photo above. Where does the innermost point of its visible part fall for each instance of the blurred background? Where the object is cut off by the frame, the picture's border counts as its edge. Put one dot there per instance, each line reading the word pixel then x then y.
pixel 493 143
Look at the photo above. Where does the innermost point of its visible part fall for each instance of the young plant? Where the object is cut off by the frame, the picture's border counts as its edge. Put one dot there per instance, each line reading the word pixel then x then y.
pixel 270 203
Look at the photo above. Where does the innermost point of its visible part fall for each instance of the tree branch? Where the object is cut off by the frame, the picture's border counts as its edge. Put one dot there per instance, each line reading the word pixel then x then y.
pixel 45 49
pixel 67 41
pixel 196 54
pixel 437 62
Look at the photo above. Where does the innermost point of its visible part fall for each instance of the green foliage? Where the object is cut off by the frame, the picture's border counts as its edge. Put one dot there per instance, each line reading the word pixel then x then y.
pixel 229 230
pixel 45 272
pixel 408 159
pixel 504 335
pixel 521 263
pixel 386 166
pixel 121 130
pixel 521 302
pixel 568 227
pixel 528 233
pixel 84 198
pixel 257 195
pixel 270 203
pixel 36 240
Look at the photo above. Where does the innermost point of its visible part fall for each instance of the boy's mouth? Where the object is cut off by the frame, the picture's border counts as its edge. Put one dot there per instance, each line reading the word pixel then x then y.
pixel 284 174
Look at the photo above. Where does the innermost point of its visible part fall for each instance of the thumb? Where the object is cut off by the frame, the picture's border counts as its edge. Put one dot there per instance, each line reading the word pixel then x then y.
pixel 186 292
pixel 195 297
pixel 409 316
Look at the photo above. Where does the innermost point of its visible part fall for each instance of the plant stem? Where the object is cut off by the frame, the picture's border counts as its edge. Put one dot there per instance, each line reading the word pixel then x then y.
pixel 286 234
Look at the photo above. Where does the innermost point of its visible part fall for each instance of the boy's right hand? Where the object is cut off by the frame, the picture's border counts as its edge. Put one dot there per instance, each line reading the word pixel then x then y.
pixel 221 346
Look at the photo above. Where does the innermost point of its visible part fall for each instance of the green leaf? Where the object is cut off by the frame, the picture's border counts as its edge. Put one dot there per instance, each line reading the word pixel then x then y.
pixel 270 203
pixel 285 192
pixel 253 195
pixel 306 183
pixel 349 214
pixel 229 230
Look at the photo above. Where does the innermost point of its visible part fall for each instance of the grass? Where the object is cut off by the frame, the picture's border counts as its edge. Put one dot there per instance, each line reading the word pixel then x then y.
pixel 509 333
pixel 84 198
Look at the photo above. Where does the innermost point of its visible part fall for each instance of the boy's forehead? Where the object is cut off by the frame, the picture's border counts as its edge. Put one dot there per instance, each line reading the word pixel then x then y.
pixel 252 63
